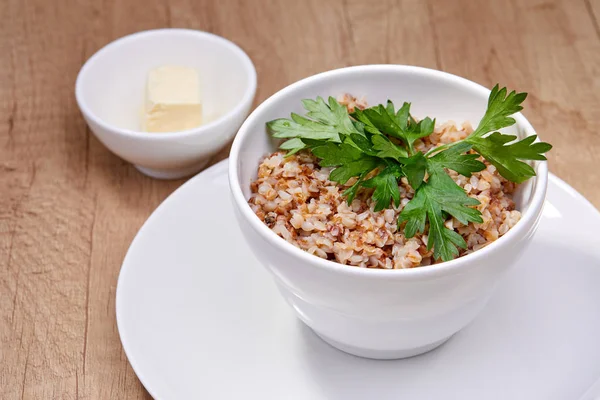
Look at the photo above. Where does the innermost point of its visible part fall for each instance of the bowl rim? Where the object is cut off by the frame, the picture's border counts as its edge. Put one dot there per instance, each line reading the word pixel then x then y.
pixel 528 219
pixel 163 136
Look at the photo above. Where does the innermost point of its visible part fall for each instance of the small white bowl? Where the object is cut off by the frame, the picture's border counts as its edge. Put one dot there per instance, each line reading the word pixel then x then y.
pixel 381 313
pixel 110 92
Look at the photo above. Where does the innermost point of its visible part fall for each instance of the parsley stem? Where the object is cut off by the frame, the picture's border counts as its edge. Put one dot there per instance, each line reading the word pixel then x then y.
pixel 442 148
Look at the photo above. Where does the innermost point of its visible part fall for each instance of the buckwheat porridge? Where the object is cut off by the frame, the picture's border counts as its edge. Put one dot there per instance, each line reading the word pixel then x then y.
pixel 294 196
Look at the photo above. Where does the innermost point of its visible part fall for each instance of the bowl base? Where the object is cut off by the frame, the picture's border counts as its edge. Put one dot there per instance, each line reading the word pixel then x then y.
pixel 172 173
pixel 382 354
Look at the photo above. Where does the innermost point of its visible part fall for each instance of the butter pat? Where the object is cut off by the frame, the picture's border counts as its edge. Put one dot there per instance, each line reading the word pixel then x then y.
pixel 172 100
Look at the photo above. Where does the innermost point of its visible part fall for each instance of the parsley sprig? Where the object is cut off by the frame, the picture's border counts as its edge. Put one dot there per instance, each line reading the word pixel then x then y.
pixel 377 147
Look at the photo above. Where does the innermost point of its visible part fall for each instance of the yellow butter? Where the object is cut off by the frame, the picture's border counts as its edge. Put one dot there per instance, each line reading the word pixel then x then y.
pixel 172 100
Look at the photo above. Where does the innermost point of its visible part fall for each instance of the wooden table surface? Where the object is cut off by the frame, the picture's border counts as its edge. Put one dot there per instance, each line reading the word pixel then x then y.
pixel 69 208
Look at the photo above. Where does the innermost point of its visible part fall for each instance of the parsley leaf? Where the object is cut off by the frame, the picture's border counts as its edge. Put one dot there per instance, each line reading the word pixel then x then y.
pixel 349 161
pixel 452 197
pixel 386 187
pixel 379 120
pixel 402 116
pixel 500 107
pixel 324 122
pixel 414 169
pixel 302 128
pixel 362 143
pixel 439 195
pixel 506 157
pixel 354 168
pixel 399 124
pixel 386 149
pixel 420 130
pixel 293 146
pixel 454 159
pixel 332 154
pixel 333 114
pixel 495 147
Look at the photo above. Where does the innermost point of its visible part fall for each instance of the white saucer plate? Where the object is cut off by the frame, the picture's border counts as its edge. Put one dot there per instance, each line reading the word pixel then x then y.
pixel 200 319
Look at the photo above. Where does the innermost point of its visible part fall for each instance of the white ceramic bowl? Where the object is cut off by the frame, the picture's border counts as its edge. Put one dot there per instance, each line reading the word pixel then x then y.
pixel 381 313
pixel 110 92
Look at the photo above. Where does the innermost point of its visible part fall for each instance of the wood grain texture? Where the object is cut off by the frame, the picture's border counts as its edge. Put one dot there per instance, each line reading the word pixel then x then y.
pixel 69 208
